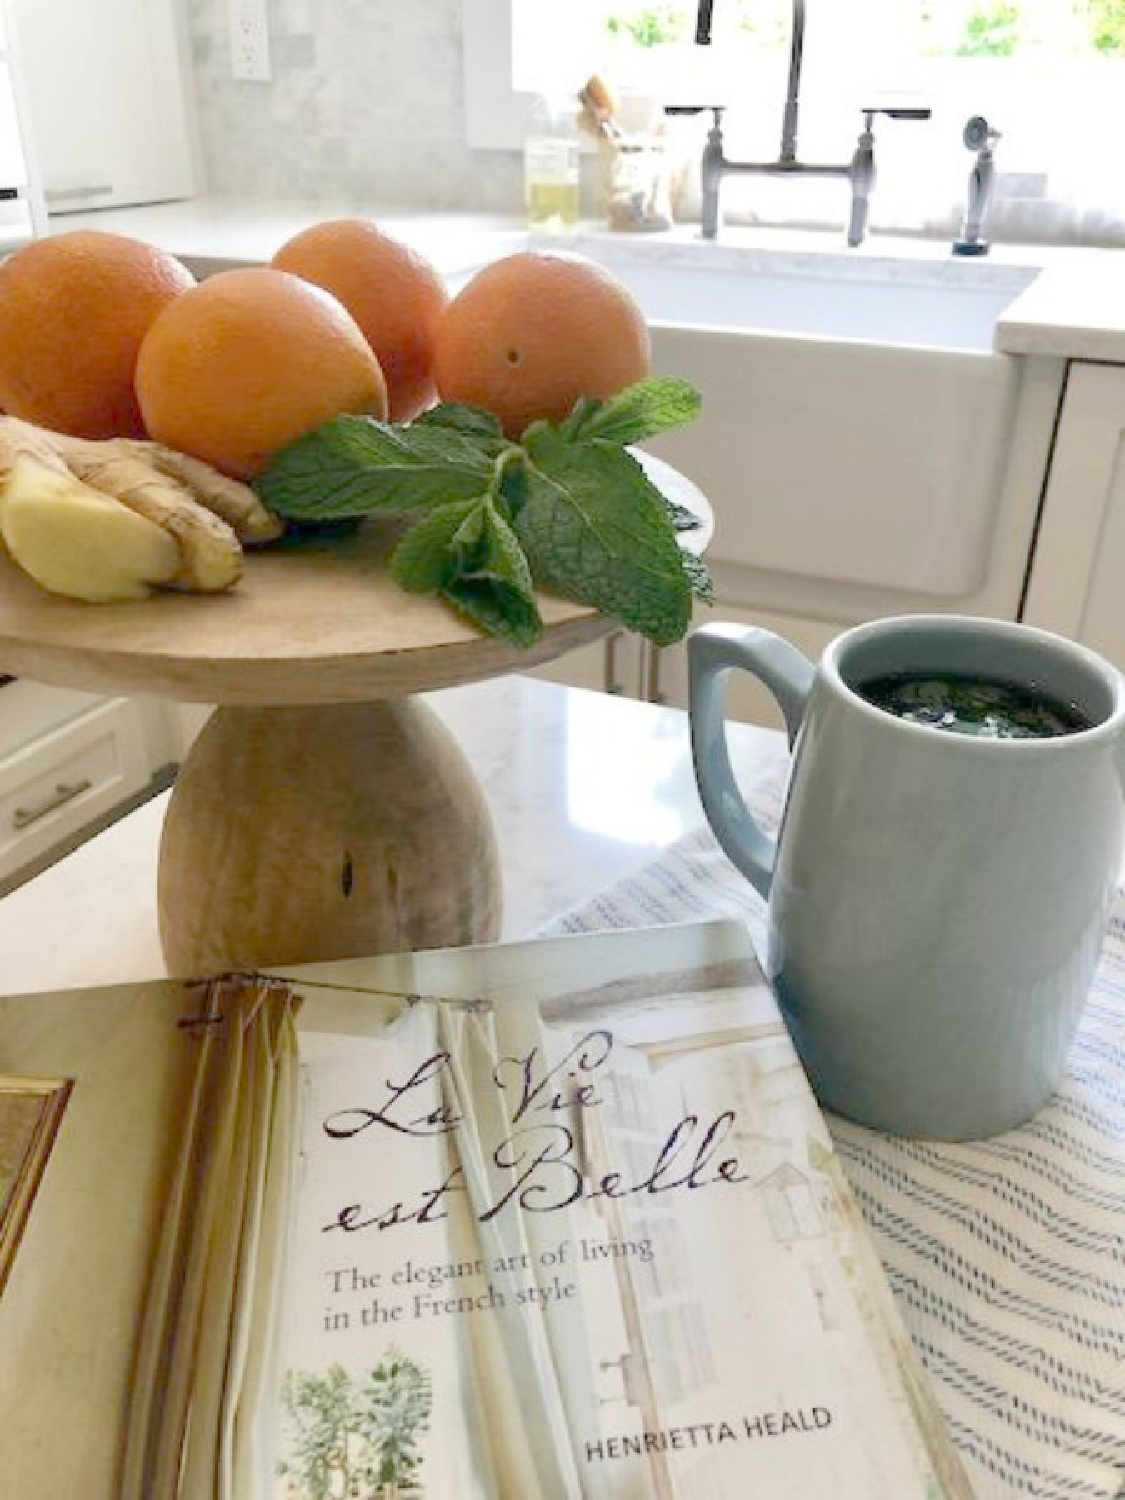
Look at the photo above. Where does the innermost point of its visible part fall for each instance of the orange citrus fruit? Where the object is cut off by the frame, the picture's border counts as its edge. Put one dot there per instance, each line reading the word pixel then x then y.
pixel 395 295
pixel 531 333
pixel 74 308
pixel 248 361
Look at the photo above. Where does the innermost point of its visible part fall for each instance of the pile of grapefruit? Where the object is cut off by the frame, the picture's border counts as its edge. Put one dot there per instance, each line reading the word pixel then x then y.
pixel 102 335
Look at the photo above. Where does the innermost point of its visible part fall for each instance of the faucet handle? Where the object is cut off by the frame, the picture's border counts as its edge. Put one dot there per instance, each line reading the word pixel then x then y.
pixel 892 112
pixel 899 111
pixel 714 135
pixel 978 134
pixel 696 109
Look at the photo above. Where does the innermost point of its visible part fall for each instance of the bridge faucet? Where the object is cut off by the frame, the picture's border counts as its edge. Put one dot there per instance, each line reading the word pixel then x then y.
pixel 860 171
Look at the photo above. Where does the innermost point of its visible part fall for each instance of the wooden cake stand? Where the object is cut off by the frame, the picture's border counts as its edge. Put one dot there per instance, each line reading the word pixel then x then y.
pixel 324 811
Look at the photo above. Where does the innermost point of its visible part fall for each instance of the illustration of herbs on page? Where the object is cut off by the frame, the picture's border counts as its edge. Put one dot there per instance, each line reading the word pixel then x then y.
pixel 605 1256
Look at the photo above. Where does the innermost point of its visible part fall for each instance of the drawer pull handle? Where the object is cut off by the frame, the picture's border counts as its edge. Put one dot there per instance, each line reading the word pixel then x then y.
pixel 85 190
pixel 64 792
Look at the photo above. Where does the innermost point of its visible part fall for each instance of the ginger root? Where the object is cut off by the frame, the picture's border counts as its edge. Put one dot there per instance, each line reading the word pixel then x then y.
pixel 112 520
pixel 76 541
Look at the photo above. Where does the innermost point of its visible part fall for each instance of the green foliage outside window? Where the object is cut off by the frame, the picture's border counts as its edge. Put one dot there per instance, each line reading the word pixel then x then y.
pixel 992 31
pixel 652 26
pixel 763 21
pixel 1107 26
pixel 989 28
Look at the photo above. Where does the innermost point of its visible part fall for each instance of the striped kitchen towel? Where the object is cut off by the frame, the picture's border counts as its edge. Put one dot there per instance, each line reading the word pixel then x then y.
pixel 1007 1256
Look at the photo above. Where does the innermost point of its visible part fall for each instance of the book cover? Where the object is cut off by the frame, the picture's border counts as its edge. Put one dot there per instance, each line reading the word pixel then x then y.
pixel 556 1220
pixel 569 1223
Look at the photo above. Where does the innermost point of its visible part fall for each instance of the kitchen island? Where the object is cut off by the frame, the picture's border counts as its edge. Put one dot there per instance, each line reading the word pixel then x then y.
pixel 1004 1255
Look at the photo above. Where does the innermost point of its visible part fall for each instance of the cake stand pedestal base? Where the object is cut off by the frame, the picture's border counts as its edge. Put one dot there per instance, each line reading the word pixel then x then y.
pixel 295 835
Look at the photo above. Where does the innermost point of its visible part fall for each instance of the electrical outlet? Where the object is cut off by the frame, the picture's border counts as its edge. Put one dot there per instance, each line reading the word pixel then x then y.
pixel 249 40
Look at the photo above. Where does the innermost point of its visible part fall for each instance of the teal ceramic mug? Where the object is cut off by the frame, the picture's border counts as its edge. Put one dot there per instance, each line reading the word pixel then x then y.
pixel 936 900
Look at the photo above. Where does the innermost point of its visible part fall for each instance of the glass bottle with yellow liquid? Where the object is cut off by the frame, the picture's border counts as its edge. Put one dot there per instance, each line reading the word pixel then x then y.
pixel 552 173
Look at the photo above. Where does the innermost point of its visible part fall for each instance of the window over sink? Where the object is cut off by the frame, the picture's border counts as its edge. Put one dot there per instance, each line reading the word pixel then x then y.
pixel 1049 75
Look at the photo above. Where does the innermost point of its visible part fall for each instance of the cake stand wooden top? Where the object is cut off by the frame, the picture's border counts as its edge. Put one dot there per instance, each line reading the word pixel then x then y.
pixel 315 619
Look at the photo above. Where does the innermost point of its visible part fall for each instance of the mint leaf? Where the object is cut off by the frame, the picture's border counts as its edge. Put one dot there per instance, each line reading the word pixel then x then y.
pixel 467 552
pixel 638 412
pixel 472 421
pixel 352 466
pixel 595 529
pixel 681 516
pixel 699 576
pixel 582 411
pixel 428 556
pixel 496 609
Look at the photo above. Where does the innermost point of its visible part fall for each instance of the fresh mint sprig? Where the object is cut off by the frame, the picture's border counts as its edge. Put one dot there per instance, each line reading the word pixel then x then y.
pixel 566 508
pixel 595 529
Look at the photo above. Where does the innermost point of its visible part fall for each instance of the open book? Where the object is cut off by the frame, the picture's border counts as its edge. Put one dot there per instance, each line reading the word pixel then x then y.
pixel 541 1221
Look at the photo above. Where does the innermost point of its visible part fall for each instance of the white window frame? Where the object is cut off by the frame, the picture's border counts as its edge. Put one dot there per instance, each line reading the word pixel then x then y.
pixel 496 115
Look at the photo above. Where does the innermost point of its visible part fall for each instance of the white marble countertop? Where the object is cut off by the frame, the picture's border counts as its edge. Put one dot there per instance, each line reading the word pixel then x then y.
pixel 585 789
pixel 1075 307
pixel 212 231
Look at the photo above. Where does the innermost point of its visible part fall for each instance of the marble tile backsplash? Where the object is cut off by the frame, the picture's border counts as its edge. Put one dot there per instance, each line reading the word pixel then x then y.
pixel 365 103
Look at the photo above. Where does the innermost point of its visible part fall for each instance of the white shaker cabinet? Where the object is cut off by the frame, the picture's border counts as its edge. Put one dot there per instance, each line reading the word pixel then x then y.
pixel 107 90
pixel 69 760
pixel 1076 584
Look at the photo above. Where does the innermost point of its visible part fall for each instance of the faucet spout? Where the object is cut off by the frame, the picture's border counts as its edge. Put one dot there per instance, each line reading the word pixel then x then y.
pixel 788 151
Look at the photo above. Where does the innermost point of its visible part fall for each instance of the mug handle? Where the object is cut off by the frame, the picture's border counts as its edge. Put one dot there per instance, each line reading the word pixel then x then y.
pixel 713 650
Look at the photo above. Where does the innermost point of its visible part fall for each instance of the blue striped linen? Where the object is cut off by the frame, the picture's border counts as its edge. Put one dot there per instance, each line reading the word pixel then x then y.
pixel 1006 1257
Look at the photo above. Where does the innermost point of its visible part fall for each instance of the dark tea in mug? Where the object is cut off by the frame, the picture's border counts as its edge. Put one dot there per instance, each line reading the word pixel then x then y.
pixel 985 707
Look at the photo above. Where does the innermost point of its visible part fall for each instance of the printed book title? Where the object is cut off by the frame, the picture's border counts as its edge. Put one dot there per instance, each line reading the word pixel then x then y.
pixel 538 1159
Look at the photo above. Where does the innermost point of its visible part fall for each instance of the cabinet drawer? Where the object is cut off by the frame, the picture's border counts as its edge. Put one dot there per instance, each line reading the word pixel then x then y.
pixel 31 709
pixel 51 790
